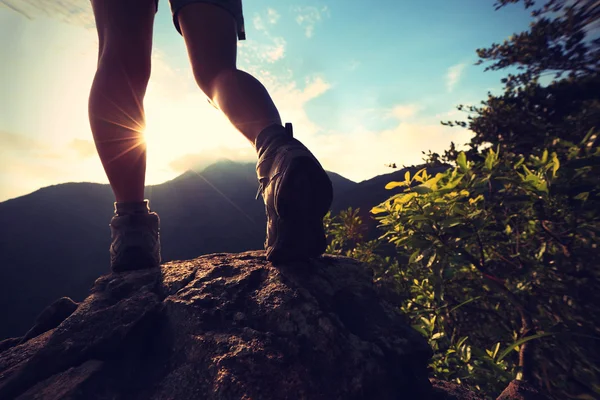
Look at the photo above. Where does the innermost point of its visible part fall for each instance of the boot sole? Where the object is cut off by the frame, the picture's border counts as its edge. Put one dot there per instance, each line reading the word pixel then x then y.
pixel 304 199
pixel 133 259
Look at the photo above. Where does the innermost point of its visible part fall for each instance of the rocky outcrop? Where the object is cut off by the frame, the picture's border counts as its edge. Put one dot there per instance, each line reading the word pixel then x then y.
pixel 521 390
pixel 227 326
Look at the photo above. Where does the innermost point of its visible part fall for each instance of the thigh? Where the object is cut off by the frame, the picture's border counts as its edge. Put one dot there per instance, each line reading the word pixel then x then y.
pixel 234 7
pixel 125 26
pixel 210 36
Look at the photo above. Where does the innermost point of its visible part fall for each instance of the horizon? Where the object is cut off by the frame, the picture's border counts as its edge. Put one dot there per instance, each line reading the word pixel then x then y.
pixel 363 86
pixel 194 171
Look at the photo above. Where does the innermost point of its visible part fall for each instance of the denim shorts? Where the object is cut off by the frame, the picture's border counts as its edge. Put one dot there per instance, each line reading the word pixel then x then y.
pixel 233 6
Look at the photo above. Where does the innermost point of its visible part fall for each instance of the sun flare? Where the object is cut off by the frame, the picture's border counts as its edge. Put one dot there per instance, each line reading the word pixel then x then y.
pixel 185 129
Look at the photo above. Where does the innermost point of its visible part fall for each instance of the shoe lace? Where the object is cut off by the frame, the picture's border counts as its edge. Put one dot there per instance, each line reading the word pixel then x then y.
pixel 261 187
pixel 264 183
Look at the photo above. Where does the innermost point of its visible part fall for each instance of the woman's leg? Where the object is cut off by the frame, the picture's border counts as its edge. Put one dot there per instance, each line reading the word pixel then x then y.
pixel 210 35
pixel 116 99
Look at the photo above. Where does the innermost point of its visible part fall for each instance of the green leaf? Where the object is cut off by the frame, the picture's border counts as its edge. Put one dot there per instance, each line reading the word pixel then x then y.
pixel 421 189
pixel 431 260
pixel 378 210
pixel 555 164
pixel 420 330
pixel 404 198
pixel 393 185
pixel 583 196
pixel 461 341
pixel 490 159
pixel 450 222
pixel 518 163
pixel 407 176
pixel 414 256
pixel 519 342
pixel 452 183
pixel 421 175
pixel 461 160
pixel 587 137
pixel 495 351
pixel 462 304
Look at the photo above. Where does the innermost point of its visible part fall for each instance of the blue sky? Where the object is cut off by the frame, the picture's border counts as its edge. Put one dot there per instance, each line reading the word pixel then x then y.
pixel 364 83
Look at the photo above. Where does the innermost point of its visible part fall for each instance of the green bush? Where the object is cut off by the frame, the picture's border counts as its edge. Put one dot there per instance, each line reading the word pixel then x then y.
pixel 497 263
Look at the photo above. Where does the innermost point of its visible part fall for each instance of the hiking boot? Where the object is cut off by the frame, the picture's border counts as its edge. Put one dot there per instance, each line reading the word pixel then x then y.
pixel 297 193
pixel 135 241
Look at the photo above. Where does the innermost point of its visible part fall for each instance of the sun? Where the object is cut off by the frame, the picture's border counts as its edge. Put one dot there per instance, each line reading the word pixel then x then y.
pixel 178 129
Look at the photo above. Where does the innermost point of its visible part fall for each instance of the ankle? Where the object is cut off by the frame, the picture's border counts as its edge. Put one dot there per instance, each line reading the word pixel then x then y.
pixel 272 136
pixel 132 207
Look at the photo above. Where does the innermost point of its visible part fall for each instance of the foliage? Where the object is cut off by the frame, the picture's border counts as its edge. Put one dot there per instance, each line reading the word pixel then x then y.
pixel 346 236
pixel 498 260
pixel 562 42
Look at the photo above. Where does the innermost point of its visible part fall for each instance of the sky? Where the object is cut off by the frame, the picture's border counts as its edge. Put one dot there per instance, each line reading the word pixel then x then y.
pixel 364 83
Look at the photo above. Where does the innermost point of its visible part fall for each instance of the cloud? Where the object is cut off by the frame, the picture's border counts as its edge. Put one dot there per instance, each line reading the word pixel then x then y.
pixel 272 16
pixel 275 51
pixel 258 22
pixel 261 20
pixel 84 148
pixel 269 51
pixel 15 145
pixel 29 163
pixel 308 17
pixel 78 12
pixel 362 153
pixel 453 75
pixel 255 54
pixel 404 111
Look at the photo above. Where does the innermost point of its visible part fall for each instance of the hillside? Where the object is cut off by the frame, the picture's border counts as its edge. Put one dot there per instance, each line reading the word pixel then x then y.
pixel 58 229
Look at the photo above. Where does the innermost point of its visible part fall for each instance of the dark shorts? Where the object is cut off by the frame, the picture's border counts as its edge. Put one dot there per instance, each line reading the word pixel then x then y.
pixel 233 6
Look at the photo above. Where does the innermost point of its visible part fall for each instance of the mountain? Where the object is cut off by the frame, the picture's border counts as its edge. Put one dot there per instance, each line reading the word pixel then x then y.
pixel 55 240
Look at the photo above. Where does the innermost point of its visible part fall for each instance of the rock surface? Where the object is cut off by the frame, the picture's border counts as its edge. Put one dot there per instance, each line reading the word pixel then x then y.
pixel 228 326
pixel 520 390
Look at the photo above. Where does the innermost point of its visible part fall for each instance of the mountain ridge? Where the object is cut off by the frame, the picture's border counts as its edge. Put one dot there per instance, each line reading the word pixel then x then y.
pixel 54 230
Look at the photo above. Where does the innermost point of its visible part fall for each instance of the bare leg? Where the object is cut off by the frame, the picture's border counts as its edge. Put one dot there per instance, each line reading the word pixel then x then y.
pixel 116 99
pixel 210 36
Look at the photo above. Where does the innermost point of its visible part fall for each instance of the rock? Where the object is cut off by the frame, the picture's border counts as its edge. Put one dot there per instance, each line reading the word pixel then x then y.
pixel 227 326
pixel 51 317
pixel 66 385
pixel 521 390
pixel 117 308
pixel 10 342
pixel 453 391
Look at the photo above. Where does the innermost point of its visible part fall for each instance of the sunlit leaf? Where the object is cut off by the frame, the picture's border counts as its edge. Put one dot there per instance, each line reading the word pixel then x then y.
pixel 519 342
pixel 583 196
pixel 378 210
pixel 393 185
pixel 461 160
pixel 421 189
pixel 555 164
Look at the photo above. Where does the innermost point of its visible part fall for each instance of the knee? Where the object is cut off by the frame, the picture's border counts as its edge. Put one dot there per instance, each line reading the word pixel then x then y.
pixel 132 63
pixel 209 81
